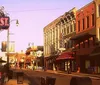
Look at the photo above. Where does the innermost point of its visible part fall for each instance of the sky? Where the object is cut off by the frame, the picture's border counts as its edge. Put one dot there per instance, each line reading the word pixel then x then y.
pixel 33 16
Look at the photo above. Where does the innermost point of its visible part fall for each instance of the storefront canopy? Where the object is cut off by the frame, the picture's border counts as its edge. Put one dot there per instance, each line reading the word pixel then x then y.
pixel 95 52
pixel 65 55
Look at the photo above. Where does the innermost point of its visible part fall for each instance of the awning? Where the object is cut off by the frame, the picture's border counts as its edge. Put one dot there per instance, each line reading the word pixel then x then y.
pixel 81 36
pixel 65 55
pixel 87 34
pixel 95 52
pixel 70 35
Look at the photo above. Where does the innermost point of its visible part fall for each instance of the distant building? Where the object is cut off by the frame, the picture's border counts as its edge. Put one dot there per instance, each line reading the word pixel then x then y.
pixel 34 56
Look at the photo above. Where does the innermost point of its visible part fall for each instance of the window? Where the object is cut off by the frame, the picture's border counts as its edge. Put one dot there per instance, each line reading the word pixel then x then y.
pixel 78 26
pixel 70 27
pixel 87 21
pixel 83 23
pixel 74 27
pixel 92 19
pixel 67 29
pixel 99 10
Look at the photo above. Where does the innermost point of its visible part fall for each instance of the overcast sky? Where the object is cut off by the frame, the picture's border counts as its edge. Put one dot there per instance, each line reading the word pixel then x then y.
pixel 33 16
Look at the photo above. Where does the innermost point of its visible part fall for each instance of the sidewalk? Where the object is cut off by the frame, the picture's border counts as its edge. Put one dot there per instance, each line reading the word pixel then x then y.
pixel 94 76
pixel 14 82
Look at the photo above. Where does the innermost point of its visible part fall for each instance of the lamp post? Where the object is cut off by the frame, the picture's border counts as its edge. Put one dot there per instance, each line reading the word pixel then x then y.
pixel 8 33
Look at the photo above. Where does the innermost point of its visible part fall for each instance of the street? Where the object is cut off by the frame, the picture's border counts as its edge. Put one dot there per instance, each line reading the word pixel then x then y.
pixel 60 78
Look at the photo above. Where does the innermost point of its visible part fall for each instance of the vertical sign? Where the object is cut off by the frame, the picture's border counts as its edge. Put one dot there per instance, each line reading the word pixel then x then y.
pixel 4 22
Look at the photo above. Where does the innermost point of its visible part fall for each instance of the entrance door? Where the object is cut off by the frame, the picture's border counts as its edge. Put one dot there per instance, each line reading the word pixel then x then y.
pixel 67 65
pixel 73 65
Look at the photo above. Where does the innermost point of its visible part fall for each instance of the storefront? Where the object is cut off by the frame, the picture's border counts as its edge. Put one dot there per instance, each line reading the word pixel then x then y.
pixel 66 61
pixel 50 62
pixel 95 57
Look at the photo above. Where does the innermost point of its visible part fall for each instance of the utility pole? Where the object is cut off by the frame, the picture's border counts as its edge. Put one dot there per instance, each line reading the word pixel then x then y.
pixel 8 48
pixel 8 36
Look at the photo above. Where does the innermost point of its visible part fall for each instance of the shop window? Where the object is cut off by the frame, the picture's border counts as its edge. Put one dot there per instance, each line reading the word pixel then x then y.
pixel 87 64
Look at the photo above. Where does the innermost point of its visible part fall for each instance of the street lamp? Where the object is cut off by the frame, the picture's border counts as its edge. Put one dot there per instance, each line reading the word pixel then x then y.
pixel 8 33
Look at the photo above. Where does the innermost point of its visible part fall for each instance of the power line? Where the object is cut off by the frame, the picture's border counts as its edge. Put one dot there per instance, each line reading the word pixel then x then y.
pixel 36 10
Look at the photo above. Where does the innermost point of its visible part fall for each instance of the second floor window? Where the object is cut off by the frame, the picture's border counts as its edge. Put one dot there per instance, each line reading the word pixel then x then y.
pixel 99 10
pixel 78 26
pixel 92 19
pixel 65 31
pixel 87 21
pixel 68 29
pixel 71 28
pixel 83 23
pixel 74 26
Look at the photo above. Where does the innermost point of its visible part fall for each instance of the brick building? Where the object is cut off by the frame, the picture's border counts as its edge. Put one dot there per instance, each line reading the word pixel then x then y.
pixel 84 40
pixel 96 52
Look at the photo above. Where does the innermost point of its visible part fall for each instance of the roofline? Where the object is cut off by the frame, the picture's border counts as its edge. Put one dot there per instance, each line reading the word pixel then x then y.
pixel 57 19
pixel 85 6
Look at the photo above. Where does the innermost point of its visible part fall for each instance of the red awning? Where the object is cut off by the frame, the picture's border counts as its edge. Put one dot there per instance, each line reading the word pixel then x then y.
pixel 65 55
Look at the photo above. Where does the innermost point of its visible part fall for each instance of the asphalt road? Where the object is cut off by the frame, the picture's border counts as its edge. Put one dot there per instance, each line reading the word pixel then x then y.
pixel 60 78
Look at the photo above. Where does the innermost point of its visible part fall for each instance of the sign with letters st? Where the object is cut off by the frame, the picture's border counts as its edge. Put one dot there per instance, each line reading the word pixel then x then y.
pixel 4 22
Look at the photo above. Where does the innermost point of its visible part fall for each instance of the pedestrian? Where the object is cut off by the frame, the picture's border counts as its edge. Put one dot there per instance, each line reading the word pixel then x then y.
pixel 6 78
pixel 2 78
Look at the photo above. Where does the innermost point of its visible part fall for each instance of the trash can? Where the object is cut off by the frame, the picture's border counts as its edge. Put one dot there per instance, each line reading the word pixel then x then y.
pixel 50 81
pixel 43 81
pixel 20 77
pixel 80 81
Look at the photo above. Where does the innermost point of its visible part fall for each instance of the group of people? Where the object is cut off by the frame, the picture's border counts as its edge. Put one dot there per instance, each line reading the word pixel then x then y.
pixel 3 78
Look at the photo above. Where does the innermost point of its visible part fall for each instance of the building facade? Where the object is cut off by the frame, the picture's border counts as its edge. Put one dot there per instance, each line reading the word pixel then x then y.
pixel 51 42
pixel 57 39
pixel 34 57
pixel 73 40
pixel 96 52
pixel 65 60
pixel 84 40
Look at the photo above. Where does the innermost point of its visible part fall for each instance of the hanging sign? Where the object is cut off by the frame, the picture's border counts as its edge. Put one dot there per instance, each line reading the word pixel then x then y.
pixel 4 22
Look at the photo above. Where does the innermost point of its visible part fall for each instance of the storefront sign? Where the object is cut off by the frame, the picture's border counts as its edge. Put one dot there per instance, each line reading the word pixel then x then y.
pixel 4 22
